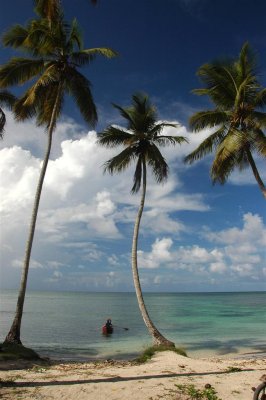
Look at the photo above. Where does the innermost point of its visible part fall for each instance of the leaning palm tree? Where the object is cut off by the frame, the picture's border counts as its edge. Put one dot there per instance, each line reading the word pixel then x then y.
pixel 238 116
pixel 140 140
pixel 6 100
pixel 56 55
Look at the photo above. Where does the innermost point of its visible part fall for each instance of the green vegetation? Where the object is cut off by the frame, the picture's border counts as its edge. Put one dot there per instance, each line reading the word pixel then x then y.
pixel 237 120
pixel 208 393
pixel 150 351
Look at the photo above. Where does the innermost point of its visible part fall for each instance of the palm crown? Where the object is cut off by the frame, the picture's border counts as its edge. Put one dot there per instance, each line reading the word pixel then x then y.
pixel 56 55
pixel 140 140
pixel 234 89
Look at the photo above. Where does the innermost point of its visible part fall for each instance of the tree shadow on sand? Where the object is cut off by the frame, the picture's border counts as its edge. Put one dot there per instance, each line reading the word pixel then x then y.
pixel 112 379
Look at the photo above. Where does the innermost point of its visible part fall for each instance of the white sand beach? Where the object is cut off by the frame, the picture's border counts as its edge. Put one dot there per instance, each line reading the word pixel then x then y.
pixel 152 380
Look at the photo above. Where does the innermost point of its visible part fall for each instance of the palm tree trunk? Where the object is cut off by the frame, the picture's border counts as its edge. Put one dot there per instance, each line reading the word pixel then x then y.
pixel 256 173
pixel 158 338
pixel 13 337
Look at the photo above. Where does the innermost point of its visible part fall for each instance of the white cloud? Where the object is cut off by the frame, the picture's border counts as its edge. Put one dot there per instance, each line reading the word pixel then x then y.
pixel 84 214
pixel 218 267
pixel 239 259
pixel 253 232
pixel 160 253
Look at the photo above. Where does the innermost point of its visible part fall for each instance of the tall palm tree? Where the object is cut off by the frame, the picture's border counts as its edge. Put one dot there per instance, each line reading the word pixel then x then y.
pixel 6 100
pixel 56 55
pixel 140 140
pixel 237 117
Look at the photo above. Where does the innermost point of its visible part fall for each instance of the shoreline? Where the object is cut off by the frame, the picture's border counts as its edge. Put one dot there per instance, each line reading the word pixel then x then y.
pixel 245 353
pixel 160 377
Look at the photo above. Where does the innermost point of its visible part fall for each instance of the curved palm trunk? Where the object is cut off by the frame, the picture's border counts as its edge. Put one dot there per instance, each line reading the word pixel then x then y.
pixel 256 173
pixel 14 334
pixel 158 338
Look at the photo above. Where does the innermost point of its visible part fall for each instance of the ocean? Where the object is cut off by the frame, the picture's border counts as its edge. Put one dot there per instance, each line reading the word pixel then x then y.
pixel 67 325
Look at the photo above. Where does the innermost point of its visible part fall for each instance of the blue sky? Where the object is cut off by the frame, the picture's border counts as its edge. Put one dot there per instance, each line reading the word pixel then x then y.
pixel 194 236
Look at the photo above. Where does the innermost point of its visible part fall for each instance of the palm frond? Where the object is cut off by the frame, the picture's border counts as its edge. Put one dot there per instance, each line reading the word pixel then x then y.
pixel 230 154
pixel 15 37
pixel 75 37
pixel 207 119
pixel 246 91
pixel 260 99
pixel 7 99
pixel 156 129
pixel 221 170
pixel 120 162
pixel 257 141
pixel 101 51
pixel 127 114
pixel 247 62
pixel 137 176
pixel 113 137
pixel 165 140
pixel 258 118
pixel 49 9
pixel 233 144
pixel 83 57
pixel 80 89
pixel 43 39
pixel 50 76
pixel 31 39
pixel 19 70
pixel 207 145
pixel 157 163
pixel 219 83
pixel 24 110
pixel 39 103
pixel 29 104
pixel 50 105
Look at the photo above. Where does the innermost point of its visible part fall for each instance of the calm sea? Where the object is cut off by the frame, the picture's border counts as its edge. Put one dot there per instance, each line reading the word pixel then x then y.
pixel 67 325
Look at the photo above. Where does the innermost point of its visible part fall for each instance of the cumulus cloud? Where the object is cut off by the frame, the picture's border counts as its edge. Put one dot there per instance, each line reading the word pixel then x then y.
pixel 86 217
pixel 234 256
pixel 160 253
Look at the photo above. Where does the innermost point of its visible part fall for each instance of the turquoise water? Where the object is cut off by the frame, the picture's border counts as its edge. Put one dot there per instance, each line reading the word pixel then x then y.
pixel 68 325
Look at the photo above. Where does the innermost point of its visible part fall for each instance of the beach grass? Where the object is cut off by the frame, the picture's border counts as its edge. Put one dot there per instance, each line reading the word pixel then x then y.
pixel 207 393
pixel 149 352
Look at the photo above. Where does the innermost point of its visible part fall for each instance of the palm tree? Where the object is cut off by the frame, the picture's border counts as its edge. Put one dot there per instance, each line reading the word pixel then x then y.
pixel 56 55
pixel 140 140
pixel 6 100
pixel 238 119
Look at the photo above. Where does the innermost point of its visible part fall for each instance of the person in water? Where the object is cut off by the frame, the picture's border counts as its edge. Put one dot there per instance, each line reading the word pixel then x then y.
pixel 109 323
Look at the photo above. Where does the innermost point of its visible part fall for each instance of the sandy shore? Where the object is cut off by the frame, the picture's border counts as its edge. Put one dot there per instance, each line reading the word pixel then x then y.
pixel 153 380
